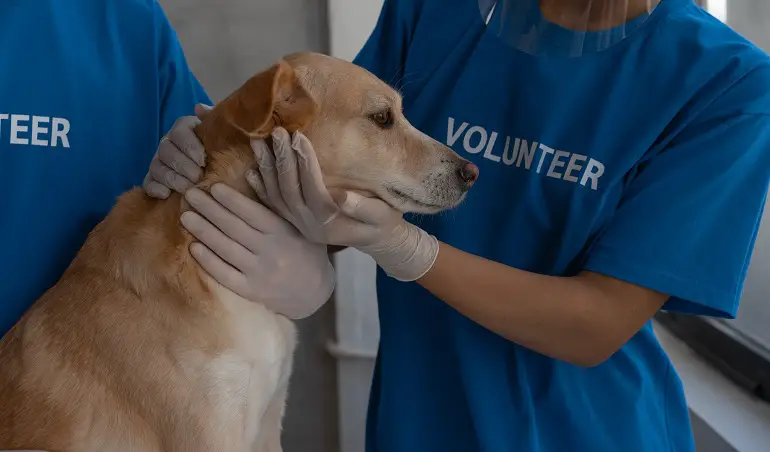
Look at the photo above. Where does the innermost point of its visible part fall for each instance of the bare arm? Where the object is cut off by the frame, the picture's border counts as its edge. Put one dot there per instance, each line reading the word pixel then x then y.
pixel 582 320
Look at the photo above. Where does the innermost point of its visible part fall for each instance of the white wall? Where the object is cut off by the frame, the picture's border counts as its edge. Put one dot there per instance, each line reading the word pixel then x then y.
pixel 358 332
pixel 228 41
pixel 749 18
pixel 350 22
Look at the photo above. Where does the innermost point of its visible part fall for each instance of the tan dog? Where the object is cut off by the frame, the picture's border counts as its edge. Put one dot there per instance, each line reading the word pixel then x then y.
pixel 137 349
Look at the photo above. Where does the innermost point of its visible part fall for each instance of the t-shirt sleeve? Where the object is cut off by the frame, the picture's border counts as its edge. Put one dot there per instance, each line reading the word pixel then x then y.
pixel 688 220
pixel 179 89
pixel 384 53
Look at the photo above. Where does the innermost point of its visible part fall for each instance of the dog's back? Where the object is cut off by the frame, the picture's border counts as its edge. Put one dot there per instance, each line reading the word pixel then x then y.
pixel 104 329
pixel 132 348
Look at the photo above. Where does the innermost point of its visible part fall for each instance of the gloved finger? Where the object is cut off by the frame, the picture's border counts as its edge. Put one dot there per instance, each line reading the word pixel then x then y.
pixel 254 179
pixel 228 222
pixel 155 189
pixel 201 110
pixel 220 270
pixel 171 156
pixel 182 134
pixel 168 177
pixel 315 193
pixel 266 168
pixel 367 210
pixel 254 215
pixel 286 168
pixel 225 247
pixel 255 182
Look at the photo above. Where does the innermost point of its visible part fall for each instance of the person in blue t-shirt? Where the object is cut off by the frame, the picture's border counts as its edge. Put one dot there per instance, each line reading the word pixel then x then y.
pixel 87 90
pixel 624 149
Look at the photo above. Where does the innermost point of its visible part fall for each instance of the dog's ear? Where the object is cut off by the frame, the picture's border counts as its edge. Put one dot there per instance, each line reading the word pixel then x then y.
pixel 267 100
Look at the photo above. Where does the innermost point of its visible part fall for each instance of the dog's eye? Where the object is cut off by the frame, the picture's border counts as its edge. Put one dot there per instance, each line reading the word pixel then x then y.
pixel 383 119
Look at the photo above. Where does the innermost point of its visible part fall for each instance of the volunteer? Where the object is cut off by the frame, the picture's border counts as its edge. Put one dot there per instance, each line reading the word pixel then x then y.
pixel 87 90
pixel 623 147
pixel 87 87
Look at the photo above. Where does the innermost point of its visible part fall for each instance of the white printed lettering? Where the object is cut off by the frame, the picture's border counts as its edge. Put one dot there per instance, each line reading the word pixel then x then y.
pixel 451 137
pixel 528 154
pixel 566 166
pixel 2 116
pixel 546 151
pixel 510 160
pixel 596 166
pixel 556 163
pixel 482 140
pixel 58 133
pixel 573 166
pixel 16 128
pixel 488 152
pixel 37 129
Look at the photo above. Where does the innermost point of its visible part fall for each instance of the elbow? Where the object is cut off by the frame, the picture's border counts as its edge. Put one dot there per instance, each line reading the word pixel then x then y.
pixel 598 344
pixel 581 353
pixel 595 340
pixel 592 353
pixel 589 360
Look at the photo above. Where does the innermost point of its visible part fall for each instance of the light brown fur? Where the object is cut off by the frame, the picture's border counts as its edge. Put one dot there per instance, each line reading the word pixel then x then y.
pixel 136 348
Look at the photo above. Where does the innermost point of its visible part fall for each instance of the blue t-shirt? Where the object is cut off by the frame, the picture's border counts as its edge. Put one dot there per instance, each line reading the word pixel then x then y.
pixel 87 89
pixel 647 162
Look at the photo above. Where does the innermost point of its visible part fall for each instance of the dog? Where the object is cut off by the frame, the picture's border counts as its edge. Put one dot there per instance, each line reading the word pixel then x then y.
pixel 136 348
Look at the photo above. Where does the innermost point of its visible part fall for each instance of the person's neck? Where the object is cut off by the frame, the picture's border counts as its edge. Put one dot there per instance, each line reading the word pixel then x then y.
pixel 593 15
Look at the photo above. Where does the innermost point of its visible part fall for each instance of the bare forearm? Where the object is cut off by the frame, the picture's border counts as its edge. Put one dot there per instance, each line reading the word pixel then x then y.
pixel 576 319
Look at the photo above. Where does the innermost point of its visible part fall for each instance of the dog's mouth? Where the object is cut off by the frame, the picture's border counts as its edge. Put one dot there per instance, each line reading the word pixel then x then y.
pixel 409 199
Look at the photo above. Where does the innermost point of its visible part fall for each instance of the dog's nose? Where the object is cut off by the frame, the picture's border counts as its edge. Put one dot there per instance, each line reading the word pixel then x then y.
pixel 468 174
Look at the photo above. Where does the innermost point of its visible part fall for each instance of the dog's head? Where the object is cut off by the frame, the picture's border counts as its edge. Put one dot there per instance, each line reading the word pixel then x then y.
pixel 354 120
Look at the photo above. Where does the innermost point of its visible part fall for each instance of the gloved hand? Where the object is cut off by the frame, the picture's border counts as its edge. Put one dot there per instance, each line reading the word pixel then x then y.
pixel 290 183
pixel 256 254
pixel 178 161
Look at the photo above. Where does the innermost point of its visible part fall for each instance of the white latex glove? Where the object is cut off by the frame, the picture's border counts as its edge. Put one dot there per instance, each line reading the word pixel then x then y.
pixel 178 161
pixel 289 181
pixel 257 254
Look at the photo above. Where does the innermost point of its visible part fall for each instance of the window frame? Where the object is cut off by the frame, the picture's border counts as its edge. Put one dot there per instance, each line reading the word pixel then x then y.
pixel 735 354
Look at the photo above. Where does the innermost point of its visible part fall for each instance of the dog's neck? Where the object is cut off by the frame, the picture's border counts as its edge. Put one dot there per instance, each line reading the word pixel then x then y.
pixel 142 242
